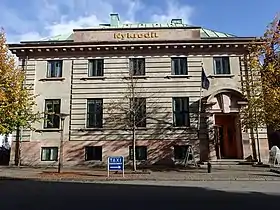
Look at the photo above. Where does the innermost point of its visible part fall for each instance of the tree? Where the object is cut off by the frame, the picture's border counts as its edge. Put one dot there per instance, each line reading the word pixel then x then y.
pixel 262 81
pixel 16 100
pixel 130 112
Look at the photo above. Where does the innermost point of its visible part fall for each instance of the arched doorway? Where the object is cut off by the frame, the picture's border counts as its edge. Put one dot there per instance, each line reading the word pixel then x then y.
pixel 225 106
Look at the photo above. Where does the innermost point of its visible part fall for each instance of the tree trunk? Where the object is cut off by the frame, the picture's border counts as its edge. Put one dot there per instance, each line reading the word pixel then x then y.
pixel 17 147
pixel 134 147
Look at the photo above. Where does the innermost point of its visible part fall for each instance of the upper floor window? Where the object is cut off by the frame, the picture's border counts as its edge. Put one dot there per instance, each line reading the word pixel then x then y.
pixel 181 112
pixel 137 66
pixel 54 68
pixel 179 66
pixel 52 111
pixel 94 113
pixel 95 67
pixel 221 65
pixel 139 108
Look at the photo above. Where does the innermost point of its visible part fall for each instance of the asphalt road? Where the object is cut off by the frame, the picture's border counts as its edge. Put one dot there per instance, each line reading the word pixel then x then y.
pixel 29 195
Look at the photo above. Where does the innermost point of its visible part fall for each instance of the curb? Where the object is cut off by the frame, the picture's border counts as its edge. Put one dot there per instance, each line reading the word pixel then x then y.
pixel 112 179
pixel 275 171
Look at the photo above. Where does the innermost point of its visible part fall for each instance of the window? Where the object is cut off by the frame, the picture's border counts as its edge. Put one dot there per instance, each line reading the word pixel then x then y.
pixel 49 153
pixel 94 113
pixel 137 66
pixel 181 112
pixel 93 153
pixel 180 152
pixel 54 69
pixel 179 66
pixel 139 108
pixel 52 111
pixel 221 65
pixel 141 152
pixel 95 67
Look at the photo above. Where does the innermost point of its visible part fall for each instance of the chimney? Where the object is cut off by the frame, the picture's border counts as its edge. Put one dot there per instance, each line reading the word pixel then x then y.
pixel 176 21
pixel 114 20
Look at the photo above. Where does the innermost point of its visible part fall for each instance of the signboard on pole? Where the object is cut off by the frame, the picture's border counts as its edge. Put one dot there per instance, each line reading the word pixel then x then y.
pixel 115 163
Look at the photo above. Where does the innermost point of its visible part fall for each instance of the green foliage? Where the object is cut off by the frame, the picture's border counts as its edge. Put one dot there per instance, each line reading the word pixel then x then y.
pixel 262 81
pixel 16 101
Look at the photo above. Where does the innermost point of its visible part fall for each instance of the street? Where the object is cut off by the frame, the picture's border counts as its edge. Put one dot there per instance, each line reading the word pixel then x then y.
pixel 24 194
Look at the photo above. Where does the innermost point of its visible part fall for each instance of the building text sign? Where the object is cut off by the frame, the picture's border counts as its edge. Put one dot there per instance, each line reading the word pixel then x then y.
pixel 129 35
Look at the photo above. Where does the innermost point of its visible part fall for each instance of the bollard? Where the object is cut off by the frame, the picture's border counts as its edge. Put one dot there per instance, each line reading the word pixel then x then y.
pixel 209 167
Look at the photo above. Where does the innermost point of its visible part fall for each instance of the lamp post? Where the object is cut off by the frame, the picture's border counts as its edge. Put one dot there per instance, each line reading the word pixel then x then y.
pixel 62 117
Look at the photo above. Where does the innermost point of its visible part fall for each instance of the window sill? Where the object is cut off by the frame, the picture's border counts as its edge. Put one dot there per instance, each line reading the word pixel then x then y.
pixel 177 76
pixel 136 77
pixel 221 76
pixel 52 79
pixel 48 130
pixel 90 129
pixel 93 161
pixel 180 128
pixel 93 78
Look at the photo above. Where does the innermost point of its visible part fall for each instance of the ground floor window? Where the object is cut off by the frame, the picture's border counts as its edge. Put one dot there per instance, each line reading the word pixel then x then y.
pixel 93 153
pixel 140 152
pixel 49 153
pixel 180 152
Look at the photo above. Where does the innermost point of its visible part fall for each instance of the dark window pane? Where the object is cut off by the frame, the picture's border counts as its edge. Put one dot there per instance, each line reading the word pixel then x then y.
pixel 181 112
pixel 179 66
pixel 139 108
pixel 141 153
pixel 54 68
pixel 137 66
pixel 93 153
pixel 180 152
pixel 95 67
pixel 221 65
pixel 49 153
pixel 52 111
pixel 94 113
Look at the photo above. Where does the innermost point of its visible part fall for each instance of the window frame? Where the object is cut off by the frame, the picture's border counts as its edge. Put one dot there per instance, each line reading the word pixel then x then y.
pixel 94 156
pixel 181 61
pixel 142 103
pixel 183 148
pixel 184 112
pixel 51 69
pixel 50 149
pixel 137 153
pixel 134 63
pixel 93 70
pixel 222 60
pixel 46 120
pixel 95 124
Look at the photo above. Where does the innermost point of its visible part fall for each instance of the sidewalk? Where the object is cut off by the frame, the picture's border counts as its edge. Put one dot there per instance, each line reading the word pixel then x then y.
pixel 221 173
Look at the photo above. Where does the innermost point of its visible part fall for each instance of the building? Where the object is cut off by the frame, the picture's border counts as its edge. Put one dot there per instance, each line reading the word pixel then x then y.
pixel 85 74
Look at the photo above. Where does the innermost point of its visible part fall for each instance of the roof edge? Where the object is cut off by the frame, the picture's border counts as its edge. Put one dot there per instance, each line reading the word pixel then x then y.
pixel 71 43
pixel 135 28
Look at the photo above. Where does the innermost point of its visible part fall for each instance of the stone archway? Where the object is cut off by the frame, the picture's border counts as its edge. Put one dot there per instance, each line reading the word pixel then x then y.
pixel 224 105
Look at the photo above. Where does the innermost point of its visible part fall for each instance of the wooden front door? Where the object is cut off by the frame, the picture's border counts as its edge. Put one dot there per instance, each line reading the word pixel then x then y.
pixel 226 130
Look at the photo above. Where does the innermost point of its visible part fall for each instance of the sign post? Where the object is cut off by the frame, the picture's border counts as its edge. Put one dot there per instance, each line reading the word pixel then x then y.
pixel 115 163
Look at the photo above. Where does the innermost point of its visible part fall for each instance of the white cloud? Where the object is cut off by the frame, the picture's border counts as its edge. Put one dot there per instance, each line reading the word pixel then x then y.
pixel 174 10
pixel 44 18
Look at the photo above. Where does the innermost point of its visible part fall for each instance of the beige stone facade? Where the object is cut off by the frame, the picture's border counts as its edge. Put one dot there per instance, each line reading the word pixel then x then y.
pixel 221 103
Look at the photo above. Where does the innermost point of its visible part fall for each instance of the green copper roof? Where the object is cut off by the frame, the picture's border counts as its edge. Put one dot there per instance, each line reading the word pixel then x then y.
pixel 115 23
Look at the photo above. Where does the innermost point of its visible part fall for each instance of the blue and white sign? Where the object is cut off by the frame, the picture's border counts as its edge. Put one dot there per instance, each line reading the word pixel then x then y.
pixel 116 163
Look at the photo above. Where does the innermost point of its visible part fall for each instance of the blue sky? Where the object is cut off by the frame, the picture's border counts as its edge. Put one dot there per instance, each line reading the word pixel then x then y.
pixel 36 19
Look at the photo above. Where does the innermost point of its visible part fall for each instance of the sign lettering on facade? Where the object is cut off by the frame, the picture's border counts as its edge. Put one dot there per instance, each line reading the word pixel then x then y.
pixel 147 35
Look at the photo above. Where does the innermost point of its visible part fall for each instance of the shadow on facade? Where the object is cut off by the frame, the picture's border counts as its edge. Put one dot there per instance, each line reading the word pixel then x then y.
pixel 160 146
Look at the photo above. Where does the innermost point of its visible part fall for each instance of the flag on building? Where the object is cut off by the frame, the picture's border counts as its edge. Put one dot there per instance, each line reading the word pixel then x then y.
pixel 205 83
